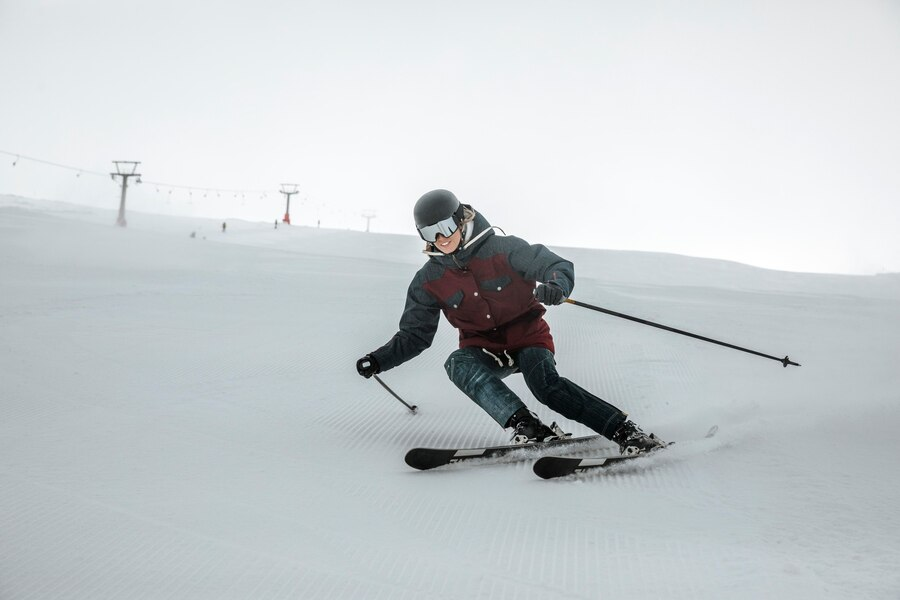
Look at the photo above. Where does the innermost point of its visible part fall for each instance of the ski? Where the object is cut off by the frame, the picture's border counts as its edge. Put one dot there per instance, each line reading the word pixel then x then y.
pixel 550 467
pixel 429 458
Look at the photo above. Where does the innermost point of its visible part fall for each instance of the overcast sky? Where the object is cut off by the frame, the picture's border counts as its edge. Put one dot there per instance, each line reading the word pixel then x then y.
pixel 766 132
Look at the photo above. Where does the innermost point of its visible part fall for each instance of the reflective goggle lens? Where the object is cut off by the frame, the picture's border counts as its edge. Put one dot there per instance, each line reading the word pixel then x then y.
pixel 446 228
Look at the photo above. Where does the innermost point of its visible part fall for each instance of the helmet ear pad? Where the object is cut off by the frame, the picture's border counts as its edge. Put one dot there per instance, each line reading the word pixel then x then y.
pixel 459 216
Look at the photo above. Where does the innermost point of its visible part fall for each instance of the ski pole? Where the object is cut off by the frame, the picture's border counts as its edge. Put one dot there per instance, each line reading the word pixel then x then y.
pixel 784 361
pixel 412 408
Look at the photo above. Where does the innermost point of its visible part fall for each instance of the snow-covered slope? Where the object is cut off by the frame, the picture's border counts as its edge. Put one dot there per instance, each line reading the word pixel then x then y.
pixel 180 417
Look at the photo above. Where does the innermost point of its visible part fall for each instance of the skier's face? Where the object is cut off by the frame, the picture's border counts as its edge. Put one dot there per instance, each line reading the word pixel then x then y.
pixel 448 244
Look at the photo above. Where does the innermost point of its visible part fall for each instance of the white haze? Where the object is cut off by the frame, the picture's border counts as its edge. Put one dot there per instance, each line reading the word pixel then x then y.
pixel 757 131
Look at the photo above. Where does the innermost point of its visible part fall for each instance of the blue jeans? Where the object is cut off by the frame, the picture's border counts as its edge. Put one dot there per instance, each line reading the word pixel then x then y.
pixel 480 377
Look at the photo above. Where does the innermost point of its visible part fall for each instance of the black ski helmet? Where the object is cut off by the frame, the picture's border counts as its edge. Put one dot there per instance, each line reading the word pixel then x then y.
pixel 435 206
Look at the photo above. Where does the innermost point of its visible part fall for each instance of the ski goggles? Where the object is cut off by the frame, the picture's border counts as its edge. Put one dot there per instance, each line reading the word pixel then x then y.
pixel 445 227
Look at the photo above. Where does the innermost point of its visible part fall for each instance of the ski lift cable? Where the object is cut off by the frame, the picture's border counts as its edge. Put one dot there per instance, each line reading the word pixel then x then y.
pixel 170 186
pixel 77 170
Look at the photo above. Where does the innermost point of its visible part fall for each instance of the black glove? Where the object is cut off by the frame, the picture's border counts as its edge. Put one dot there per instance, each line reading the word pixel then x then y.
pixel 367 366
pixel 549 293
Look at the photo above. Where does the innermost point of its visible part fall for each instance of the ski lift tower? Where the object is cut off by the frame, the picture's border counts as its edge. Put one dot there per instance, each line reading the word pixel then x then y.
pixel 124 169
pixel 288 189
pixel 368 216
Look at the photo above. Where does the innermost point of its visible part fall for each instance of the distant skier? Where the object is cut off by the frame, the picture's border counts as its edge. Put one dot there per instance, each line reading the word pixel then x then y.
pixel 485 285
pixel 224 225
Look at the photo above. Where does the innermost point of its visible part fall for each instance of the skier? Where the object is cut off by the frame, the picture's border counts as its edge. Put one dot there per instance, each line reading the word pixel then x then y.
pixel 484 284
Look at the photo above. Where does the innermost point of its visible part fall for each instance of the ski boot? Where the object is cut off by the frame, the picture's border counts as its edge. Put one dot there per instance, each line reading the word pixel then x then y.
pixel 528 429
pixel 632 440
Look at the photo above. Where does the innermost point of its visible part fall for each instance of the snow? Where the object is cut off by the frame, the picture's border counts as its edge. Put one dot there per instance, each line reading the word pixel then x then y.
pixel 181 418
